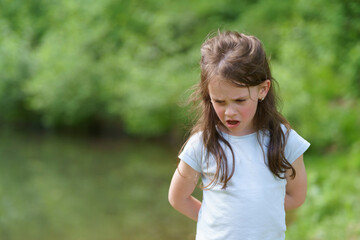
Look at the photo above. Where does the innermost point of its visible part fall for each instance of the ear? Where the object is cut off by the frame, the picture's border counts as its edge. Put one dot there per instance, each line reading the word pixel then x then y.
pixel 264 88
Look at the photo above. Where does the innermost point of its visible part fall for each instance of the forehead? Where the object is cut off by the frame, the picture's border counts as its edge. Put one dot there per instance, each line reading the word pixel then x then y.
pixel 223 88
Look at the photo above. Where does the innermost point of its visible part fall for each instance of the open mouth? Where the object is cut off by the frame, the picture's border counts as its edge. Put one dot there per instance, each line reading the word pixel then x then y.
pixel 232 122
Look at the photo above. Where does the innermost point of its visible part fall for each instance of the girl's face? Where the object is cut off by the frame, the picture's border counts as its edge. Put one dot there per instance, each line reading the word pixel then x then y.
pixel 236 106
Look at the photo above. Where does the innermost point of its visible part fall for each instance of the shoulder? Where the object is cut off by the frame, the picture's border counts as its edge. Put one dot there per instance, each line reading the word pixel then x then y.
pixel 192 151
pixel 285 129
pixel 194 142
pixel 291 135
pixel 295 145
pixel 195 138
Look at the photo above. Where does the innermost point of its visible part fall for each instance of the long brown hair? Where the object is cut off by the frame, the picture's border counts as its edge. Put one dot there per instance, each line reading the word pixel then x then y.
pixel 240 59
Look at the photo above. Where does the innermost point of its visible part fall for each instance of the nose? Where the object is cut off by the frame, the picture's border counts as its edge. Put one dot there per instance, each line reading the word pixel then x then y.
pixel 230 111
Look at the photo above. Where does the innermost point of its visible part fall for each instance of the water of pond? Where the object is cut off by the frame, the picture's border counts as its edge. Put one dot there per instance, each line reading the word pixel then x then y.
pixel 74 188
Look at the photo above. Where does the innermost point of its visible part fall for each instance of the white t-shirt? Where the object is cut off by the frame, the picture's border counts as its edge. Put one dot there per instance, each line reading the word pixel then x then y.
pixel 252 205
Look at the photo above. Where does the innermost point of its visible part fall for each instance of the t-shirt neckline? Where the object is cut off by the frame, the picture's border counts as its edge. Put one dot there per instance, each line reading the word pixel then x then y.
pixel 228 136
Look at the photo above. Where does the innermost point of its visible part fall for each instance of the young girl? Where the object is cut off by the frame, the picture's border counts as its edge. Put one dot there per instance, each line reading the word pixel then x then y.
pixel 249 159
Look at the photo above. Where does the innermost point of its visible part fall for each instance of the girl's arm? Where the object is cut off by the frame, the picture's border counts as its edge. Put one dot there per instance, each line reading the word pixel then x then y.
pixel 182 186
pixel 296 188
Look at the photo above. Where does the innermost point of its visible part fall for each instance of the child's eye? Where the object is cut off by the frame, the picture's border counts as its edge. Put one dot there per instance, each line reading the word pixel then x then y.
pixel 219 102
pixel 240 100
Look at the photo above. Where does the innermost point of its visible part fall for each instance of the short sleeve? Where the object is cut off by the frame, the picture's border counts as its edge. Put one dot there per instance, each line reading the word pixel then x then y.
pixel 193 152
pixel 295 146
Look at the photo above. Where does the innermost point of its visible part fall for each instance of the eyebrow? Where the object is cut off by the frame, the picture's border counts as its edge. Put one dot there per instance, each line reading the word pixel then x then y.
pixel 234 99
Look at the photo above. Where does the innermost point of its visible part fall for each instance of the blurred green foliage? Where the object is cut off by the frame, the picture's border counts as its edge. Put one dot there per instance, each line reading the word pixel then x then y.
pixel 330 210
pixel 128 63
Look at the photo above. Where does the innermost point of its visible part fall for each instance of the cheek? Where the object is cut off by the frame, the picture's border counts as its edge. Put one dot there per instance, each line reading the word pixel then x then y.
pixel 219 112
pixel 249 111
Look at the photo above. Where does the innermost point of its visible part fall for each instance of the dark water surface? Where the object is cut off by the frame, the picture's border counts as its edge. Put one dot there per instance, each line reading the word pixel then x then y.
pixel 55 187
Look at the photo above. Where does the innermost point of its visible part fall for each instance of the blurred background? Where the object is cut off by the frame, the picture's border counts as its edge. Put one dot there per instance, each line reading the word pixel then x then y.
pixel 92 111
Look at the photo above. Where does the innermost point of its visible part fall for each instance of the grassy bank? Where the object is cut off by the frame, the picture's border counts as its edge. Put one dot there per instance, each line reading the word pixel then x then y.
pixel 62 188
